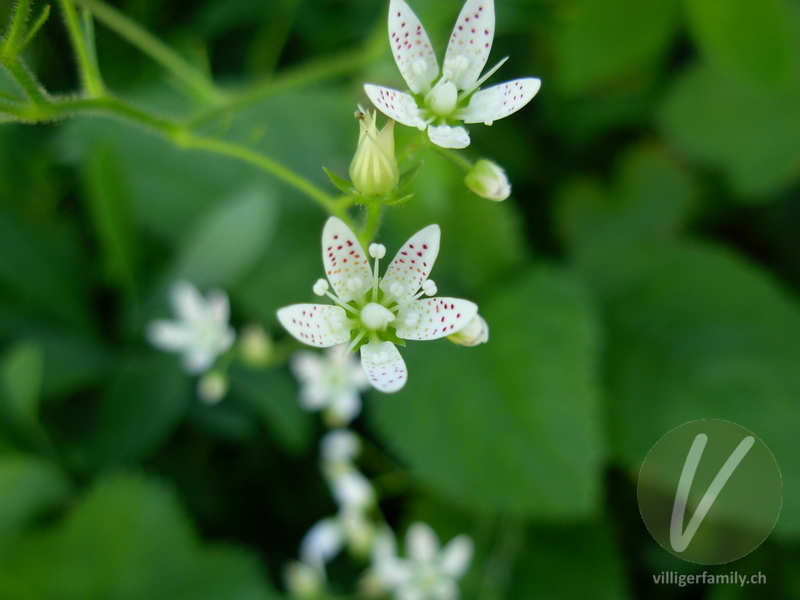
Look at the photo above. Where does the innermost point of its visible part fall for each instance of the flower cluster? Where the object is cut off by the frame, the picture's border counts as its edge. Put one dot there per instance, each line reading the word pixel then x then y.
pixel 441 99
pixel 375 313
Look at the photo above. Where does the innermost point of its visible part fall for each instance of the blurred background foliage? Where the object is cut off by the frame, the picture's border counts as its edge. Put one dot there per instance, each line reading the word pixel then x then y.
pixel 644 273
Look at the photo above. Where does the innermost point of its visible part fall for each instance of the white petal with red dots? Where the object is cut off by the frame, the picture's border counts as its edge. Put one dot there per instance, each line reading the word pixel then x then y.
pixel 434 318
pixel 412 264
pixel 496 102
pixel 346 265
pixel 384 366
pixel 396 105
pixel 445 136
pixel 470 44
pixel 320 325
pixel 411 48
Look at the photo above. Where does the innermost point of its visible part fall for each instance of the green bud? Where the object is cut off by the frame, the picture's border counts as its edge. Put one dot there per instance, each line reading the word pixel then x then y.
pixel 374 170
pixel 475 332
pixel 488 180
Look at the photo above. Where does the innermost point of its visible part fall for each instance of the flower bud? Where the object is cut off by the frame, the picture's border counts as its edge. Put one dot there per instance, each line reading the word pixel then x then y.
pixel 212 387
pixel 475 332
pixel 303 582
pixel 488 180
pixel 374 170
pixel 255 346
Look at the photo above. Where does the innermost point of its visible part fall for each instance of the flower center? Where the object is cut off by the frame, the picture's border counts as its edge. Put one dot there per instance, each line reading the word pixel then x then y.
pixel 376 317
pixel 443 99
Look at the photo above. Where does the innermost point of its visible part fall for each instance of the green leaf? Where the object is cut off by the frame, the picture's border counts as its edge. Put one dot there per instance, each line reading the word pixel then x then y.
pixel 229 240
pixel 651 197
pixel 751 136
pixel 603 41
pixel 137 413
pixel 567 562
pixel 107 197
pixel 340 183
pixel 694 333
pixel 129 539
pixel 513 424
pixel 750 40
pixel 29 487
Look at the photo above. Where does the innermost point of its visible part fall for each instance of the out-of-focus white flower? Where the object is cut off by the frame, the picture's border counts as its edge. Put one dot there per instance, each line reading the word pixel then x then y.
pixel 330 382
pixel 374 170
pixel 200 331
pixel 339 446
pixel 476 332
pixel 428 572
pixel 323 541
pixel 439 104
pixel 373 312
pixel 212 387
pixel 350 489
pixel 488 180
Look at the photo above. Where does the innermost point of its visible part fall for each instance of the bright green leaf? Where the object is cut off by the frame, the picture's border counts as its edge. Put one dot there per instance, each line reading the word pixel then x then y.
pixel 751 40
pixel 603 41
pixel 513 424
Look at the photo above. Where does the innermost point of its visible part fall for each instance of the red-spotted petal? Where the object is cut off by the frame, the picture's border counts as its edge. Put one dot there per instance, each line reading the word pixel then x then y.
pixel 384 366
pixel 470 44
pixel 346 265
pixel 433 318
pixel 320 325
pixel 411 48
pixel 396 105
pixel 412 264
pixel 496 102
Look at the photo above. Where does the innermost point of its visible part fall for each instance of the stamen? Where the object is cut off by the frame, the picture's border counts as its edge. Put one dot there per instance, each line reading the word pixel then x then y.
pixel 354 284
pixel 357 339
pixel 376 251
pixel 320 287
pixel 480 81
pixel 428 289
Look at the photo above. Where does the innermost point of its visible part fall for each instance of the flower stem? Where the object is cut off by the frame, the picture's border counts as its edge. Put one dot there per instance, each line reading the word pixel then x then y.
pixel 195 80
pixel 87 63
pixel 371 224
pixel 451 156
pixel 16 29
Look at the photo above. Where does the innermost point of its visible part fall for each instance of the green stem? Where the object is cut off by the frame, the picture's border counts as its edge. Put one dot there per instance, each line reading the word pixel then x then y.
pixel 371 223
pixel 17 28
pixel 195 80
pixel 451 155
pixel 26 81
pixel 87 66
pixel 500 563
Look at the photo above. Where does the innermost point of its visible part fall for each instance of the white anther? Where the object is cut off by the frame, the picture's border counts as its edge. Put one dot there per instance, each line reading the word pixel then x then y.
pixel 321 287
pixel 377 250
pixel 429 287
pixel 354 284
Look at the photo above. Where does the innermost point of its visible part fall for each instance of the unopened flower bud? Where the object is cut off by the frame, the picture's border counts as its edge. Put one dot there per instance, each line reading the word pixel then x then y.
pixel 374 170
pixel 302 581
pixel 488 180
pixel 212 387
pixel 475 332
pixel 255 346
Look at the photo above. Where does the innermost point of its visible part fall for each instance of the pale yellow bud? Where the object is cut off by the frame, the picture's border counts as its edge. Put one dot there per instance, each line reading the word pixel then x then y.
pixel 303 582
pixel 488 180
pixel 212 387
pixel 255 346
pixel 374 170
pixel 475 332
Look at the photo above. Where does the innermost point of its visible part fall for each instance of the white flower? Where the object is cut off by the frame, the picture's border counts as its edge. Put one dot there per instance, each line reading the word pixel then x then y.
pixel 440 102
pixel 330 382
pixel 323 541
pixel 340 446
pixel 201 331
pixel 488 180
pixel 428 573
pixel 374 313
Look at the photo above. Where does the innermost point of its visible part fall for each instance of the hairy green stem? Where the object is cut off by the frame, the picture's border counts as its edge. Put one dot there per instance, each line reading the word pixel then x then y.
pixel 87 65
pixel 372 223
pixel 194 79
pixel 26 81
pixel 16 29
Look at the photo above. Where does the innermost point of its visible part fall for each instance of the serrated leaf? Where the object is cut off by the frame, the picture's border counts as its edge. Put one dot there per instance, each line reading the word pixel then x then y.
pixel 602 41
pixel 695 332
pixel 750 40
pixel 511 425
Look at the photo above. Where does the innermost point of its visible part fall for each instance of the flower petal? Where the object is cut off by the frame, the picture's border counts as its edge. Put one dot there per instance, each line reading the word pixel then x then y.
pixel 320 325
pixel 470 43
pixel 445 136
pixel 171 336
pixel 412 264
pixel 346 265
pixel 496 102
pixel 457 555
pixel 411 47
pixel 396 105
pixel 218 306
pixel 187 302
pixel 434 318
pixel 322 542
pixel 198 360
pixel 421 542
pixel 384 366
